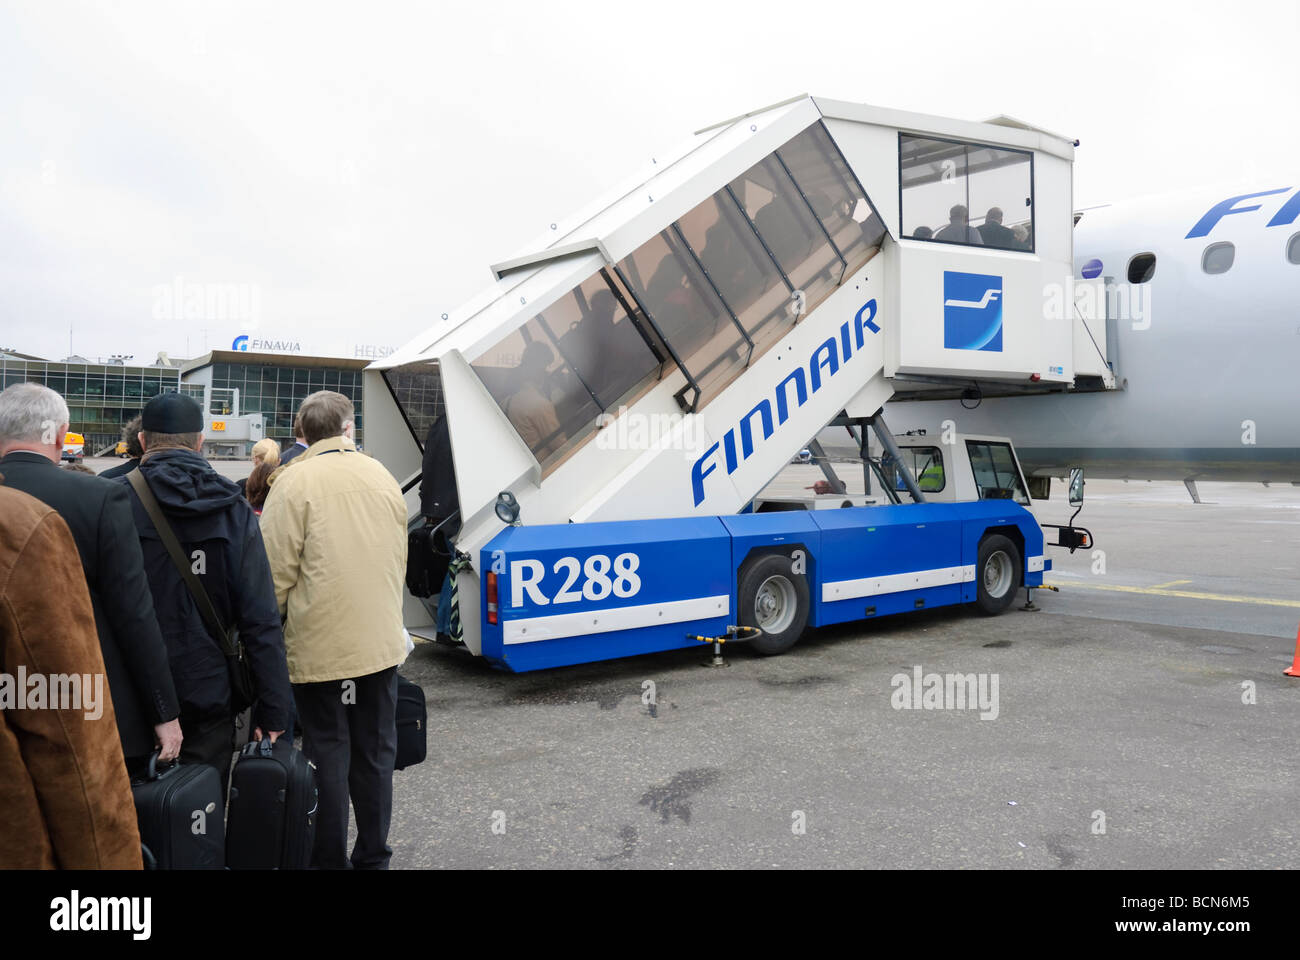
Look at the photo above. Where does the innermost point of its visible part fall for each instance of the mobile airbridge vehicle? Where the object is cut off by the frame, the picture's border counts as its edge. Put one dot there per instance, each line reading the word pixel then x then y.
pixel 618 400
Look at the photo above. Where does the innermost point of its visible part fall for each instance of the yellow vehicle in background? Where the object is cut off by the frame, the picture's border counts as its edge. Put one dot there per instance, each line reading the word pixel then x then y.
pixel 74 447
pixel 120 450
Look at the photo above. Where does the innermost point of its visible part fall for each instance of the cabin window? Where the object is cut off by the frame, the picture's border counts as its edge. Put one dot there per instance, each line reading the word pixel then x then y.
pixel 834 194
pixel 996 474
pixel 926 466
pixel 736 272
pixel 417 388
pixel 1218 257
pixel 966 193
pixel 708 294
pixel 556 374
pixel 1293 249
pixel 794 237
pixel 1142 268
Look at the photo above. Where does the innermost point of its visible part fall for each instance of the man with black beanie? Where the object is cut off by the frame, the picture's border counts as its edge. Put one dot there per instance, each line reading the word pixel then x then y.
pixel 218 533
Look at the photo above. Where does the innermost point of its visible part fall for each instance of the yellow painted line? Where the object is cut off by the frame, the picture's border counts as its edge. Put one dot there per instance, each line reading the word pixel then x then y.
pixel 1171 583
pixel 1184 594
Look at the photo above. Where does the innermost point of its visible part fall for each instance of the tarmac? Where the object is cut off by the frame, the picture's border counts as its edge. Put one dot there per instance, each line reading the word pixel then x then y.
pixel 1142 720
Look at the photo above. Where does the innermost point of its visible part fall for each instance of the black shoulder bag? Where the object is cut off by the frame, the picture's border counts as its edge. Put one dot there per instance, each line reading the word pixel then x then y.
pixel 242 689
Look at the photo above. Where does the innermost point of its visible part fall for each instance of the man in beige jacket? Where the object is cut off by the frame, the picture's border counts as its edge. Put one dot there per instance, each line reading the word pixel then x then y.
pixel 335 534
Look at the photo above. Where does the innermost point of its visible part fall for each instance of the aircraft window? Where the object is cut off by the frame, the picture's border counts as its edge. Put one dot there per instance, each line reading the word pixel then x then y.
pixel 967 193
pixel 1293 249
pixel 1218 257
pixel 996 476
pixel 553 376
pixel 1142 268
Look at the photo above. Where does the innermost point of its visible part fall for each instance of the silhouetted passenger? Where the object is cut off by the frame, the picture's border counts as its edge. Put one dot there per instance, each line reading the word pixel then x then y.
pixel 959 229
pixel 529 408
pixel 922 233
pixel 731 266
pixel 993 233
pixel 784 234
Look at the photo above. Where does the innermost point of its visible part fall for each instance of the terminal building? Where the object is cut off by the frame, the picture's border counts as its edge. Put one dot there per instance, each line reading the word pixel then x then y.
pixel 245 395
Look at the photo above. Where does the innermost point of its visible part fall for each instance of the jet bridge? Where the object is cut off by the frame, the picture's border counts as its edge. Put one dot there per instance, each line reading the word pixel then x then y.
pixel 665 352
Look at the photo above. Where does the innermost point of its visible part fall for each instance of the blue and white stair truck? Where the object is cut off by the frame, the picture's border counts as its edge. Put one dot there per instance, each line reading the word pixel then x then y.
pixel 631 382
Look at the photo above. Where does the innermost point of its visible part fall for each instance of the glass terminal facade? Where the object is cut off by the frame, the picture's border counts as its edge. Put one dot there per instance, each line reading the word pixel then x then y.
pixel 102 398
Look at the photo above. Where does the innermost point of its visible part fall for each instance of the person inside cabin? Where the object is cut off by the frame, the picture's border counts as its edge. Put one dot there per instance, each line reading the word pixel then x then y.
pixel 529 408
pixel 994 234
pixel 672 301
pixel 959 229
pixel 730 265
pixel 922 233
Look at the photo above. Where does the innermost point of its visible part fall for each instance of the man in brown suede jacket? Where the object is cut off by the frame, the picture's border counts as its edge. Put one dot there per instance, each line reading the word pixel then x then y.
pixel 64 794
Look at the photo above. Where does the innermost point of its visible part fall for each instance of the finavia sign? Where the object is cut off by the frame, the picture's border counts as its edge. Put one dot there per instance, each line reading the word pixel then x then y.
pixel 243 342
pixel 824 363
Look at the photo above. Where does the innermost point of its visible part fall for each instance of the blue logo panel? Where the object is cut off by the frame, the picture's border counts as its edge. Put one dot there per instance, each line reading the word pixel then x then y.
pixel 972 311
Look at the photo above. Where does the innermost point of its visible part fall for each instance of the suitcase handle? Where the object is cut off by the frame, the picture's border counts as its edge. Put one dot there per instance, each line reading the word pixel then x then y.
pixel 257 748
pixel 153 773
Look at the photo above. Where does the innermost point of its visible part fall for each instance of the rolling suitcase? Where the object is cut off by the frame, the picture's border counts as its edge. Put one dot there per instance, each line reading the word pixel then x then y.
pixel 412 719
pixel 180 815
pixel 272 821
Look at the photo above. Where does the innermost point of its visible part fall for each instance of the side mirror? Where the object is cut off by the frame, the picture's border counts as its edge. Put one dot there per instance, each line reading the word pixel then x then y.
pixel 1076 486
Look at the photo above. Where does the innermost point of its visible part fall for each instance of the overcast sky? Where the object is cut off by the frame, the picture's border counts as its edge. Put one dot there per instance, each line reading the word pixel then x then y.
pixel 355 167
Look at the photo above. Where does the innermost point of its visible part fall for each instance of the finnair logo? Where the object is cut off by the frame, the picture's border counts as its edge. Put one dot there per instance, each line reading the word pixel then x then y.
pixel 972 311
pixel 980 304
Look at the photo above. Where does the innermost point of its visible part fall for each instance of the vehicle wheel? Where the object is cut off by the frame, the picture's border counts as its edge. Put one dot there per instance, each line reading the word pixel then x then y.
pixel 773 598
pixel 997 574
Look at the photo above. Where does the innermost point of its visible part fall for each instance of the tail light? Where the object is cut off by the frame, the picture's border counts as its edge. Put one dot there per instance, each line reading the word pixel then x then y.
pixel 492 597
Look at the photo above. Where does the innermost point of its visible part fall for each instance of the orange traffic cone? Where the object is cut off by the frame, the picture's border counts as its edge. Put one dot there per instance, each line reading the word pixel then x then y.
pixel 1294 669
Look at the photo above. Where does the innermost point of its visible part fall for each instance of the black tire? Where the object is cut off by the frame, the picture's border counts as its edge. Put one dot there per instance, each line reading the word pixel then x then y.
pixel 771 593
pixel 997 574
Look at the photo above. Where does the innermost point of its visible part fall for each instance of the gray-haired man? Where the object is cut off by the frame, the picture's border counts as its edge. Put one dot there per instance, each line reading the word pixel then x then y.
pixel 33 421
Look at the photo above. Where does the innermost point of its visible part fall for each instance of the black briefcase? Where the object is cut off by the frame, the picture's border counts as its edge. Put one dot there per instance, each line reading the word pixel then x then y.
pixel 272 822
pixel 412 720
pixel 427 559
pixel 181 818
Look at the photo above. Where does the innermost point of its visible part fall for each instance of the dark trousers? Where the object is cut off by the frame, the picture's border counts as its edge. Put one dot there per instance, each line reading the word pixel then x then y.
pixel 209 740
pixel 350 733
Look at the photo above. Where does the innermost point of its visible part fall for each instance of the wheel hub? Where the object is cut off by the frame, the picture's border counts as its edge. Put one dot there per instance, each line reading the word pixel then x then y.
pixel 774 604
pixel 997 574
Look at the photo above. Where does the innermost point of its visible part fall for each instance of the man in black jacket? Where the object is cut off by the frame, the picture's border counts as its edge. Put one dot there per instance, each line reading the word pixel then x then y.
pixel 218 532
pixel 33 420
pixel 994 234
